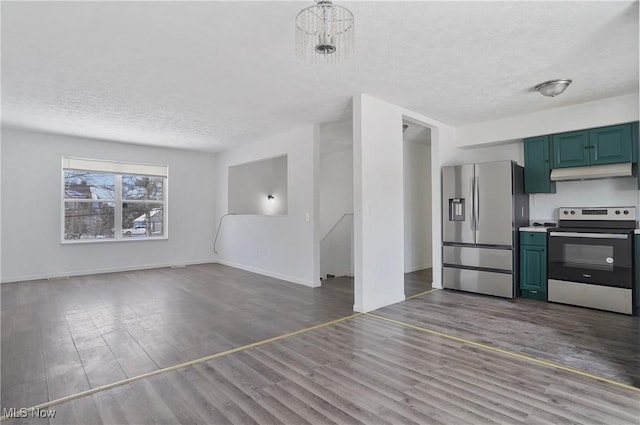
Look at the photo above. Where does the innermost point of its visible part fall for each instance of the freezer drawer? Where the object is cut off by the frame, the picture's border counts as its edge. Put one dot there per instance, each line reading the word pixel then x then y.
pixel 481 282
pixel 489 258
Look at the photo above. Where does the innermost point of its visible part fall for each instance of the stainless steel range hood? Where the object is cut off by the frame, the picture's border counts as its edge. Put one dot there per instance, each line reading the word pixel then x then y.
pixel 592 172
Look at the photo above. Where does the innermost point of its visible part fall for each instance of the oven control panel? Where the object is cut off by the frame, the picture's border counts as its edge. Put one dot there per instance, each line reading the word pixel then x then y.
pixel 598 214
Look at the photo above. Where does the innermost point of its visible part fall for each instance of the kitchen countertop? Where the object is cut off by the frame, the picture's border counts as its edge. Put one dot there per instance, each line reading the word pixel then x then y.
pixel 541 229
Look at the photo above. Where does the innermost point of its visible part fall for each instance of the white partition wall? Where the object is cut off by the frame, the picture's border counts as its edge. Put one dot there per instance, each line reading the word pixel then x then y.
pixel 378 199
pixel 378 204
pixel 281 246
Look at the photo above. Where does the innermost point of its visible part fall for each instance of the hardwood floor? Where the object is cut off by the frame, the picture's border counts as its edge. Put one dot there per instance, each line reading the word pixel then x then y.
pixel 418 282
pixel 60 337
pixel 414 283
pixel 63 337
pixel 360 371
pixel 600 342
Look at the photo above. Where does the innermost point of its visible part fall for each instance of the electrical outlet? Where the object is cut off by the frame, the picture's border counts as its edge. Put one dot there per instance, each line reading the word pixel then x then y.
pixel 307 217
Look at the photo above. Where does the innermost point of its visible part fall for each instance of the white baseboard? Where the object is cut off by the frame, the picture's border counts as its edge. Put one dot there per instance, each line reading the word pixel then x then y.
pixel 275 275
pixel 338 274
pixel 412 269
pixel 58 275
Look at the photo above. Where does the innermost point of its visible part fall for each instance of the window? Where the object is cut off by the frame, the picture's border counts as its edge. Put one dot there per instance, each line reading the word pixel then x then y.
pixel 105 200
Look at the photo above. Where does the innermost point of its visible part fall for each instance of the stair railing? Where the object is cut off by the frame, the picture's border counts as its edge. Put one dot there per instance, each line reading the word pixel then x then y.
pixel 334 226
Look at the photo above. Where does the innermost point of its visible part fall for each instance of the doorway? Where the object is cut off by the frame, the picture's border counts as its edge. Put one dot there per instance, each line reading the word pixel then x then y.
pixel 418 233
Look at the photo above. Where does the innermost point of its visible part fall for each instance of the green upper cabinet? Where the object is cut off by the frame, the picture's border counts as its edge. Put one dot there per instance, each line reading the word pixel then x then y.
pixel 597 146
pixel 610 145
pixel 537 165
pixel 571 149
pixel 634 141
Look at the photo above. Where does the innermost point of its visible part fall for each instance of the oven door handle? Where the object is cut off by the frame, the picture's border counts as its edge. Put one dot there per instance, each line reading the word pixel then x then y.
pixel 590 235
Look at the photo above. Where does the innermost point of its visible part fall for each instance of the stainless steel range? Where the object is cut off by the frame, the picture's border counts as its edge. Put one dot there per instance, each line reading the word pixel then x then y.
pixel 590 260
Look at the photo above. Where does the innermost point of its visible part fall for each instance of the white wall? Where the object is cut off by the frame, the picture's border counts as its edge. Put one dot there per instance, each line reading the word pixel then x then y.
pixel 285 247
pixel 379 204
pixel 599 113
pixel 379 201
pixel 31 209
pixel 336 200
pixel 513 151
pixel 251 184
pixel 417 206
pixel 609 192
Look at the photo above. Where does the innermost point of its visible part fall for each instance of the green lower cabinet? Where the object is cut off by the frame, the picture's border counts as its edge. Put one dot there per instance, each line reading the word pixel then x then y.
pixel 636 289
pixel 533 265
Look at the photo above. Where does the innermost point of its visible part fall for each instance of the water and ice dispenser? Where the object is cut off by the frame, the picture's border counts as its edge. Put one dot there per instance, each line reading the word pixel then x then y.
pixel 456 209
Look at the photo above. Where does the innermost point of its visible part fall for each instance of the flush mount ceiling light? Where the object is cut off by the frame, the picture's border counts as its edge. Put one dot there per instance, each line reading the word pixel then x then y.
pixel 324 32
pixel 553 88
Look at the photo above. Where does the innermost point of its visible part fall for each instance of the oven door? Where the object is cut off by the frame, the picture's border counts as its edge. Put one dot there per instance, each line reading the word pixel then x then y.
pixel 591 257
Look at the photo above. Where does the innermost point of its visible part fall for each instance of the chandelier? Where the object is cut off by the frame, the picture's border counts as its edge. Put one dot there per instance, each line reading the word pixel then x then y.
pixel 324 32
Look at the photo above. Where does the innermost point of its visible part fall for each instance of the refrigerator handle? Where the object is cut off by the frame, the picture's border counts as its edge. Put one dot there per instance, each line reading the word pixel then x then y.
pixel 472 195
pixel 477 203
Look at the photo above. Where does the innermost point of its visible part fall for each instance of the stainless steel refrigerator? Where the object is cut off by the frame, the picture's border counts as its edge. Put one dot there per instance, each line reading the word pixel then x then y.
pixel 483 205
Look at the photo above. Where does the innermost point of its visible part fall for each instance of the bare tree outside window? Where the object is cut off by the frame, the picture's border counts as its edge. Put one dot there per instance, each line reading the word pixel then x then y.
pixel 142 206
pixel 87 215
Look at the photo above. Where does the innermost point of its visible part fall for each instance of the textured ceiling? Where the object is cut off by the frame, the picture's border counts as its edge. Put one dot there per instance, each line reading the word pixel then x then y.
pixel 210 75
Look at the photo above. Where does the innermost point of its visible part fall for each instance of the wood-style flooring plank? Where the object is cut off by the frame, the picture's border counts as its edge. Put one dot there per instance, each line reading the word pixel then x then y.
pixel 53 323
pixel 101 366
pixel 362 370
pixel 462 384
pixel 595 341
pixel 130 356
pixel 82 411
pixel 65 379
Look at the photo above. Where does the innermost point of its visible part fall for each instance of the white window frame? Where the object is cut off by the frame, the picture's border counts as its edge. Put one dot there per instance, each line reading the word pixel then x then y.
pixel 118 169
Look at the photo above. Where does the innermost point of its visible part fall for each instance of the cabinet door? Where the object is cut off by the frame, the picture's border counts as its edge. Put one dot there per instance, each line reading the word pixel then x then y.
pixel 533 269
pixel 610 145
pixel 571 149
pixel 635 141
pixel 637 283
pixel 537 165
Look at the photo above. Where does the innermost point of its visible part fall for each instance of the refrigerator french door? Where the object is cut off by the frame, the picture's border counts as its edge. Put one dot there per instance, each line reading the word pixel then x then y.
pixel 483 205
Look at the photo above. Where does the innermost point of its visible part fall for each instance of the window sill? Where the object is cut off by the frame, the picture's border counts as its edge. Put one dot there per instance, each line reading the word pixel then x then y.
pixel 130 239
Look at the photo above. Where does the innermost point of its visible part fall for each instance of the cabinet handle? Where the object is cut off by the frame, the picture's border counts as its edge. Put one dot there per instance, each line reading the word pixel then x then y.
pixel 586 147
